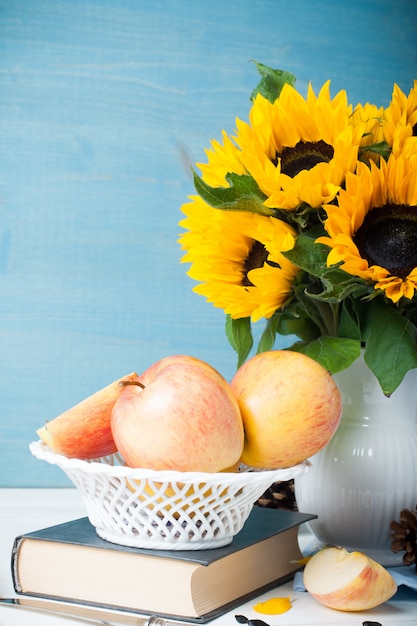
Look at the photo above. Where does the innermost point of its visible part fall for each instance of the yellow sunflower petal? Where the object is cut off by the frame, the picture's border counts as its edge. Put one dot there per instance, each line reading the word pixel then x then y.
pixel 370 118
pixel 220 246
pixel 318 129
pixel 222 159
pixel 401 119
pixel 377 195
pixel 274 606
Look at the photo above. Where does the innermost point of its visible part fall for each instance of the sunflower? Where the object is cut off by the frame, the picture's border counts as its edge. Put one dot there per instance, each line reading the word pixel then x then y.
pixel 400 127
pixel 298 149
pixel 238 258
pixel 370 118
pixel 223 158
pixel 372 231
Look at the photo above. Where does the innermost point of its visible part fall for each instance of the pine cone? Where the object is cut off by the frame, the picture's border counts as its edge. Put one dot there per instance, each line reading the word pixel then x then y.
pixel 279 496
pixel 404 536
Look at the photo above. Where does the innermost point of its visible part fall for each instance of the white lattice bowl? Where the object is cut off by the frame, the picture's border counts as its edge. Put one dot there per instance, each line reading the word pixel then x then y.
pixel 165 509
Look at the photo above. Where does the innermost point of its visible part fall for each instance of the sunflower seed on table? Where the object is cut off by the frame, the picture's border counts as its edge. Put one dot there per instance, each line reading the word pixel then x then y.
pixel 242 619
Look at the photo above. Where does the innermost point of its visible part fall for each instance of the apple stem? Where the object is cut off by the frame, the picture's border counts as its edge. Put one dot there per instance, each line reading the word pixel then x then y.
pixel 125 383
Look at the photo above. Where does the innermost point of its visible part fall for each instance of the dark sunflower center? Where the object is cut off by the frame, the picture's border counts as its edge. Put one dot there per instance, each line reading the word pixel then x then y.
pixel 388 237
pixel 304 156
pixel 415 130
pixel 256 258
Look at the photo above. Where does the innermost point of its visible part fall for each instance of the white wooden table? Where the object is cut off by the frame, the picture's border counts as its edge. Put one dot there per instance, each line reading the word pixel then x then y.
pixel 23 510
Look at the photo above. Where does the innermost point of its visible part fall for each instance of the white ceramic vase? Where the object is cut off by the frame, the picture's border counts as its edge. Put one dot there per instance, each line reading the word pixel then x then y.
pixel 368 472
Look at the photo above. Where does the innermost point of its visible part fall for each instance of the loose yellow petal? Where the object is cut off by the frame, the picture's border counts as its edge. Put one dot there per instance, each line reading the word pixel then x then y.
pixel 273 606
pixel 305 560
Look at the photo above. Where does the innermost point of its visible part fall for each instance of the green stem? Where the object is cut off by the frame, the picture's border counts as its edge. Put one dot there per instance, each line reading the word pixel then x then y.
pixel 325 315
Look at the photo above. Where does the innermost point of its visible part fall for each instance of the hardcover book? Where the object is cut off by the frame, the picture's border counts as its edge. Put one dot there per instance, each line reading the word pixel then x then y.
pixel 69 562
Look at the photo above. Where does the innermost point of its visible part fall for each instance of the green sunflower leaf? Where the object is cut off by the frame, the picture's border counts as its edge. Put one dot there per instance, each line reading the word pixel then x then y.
pixel 290 321
pixel 381 148
pixel 242 195
pixel 239 334
pixel 245 185
pixel 333 353
pixel 272 82
pixel 269 334
pixel 390 344
pixel 349 321
pixel 308 255
pixel 338 285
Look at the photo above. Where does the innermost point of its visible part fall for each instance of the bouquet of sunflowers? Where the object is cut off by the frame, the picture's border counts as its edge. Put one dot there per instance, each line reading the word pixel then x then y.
pixel 306 217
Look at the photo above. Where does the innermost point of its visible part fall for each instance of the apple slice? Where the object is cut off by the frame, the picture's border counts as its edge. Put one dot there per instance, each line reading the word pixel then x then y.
pixel 347 581
pixel 84 431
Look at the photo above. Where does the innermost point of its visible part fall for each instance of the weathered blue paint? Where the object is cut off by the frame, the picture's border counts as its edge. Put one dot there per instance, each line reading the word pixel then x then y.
pixel 99 101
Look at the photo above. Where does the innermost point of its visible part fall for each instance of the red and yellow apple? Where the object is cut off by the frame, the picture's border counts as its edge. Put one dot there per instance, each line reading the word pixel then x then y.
pixel 84 431
pixel 180 414
pixel 347 581
pixel 290 406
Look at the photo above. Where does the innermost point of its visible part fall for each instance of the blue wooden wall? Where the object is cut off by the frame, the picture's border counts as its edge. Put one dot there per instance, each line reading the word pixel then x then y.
pixel 99 101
